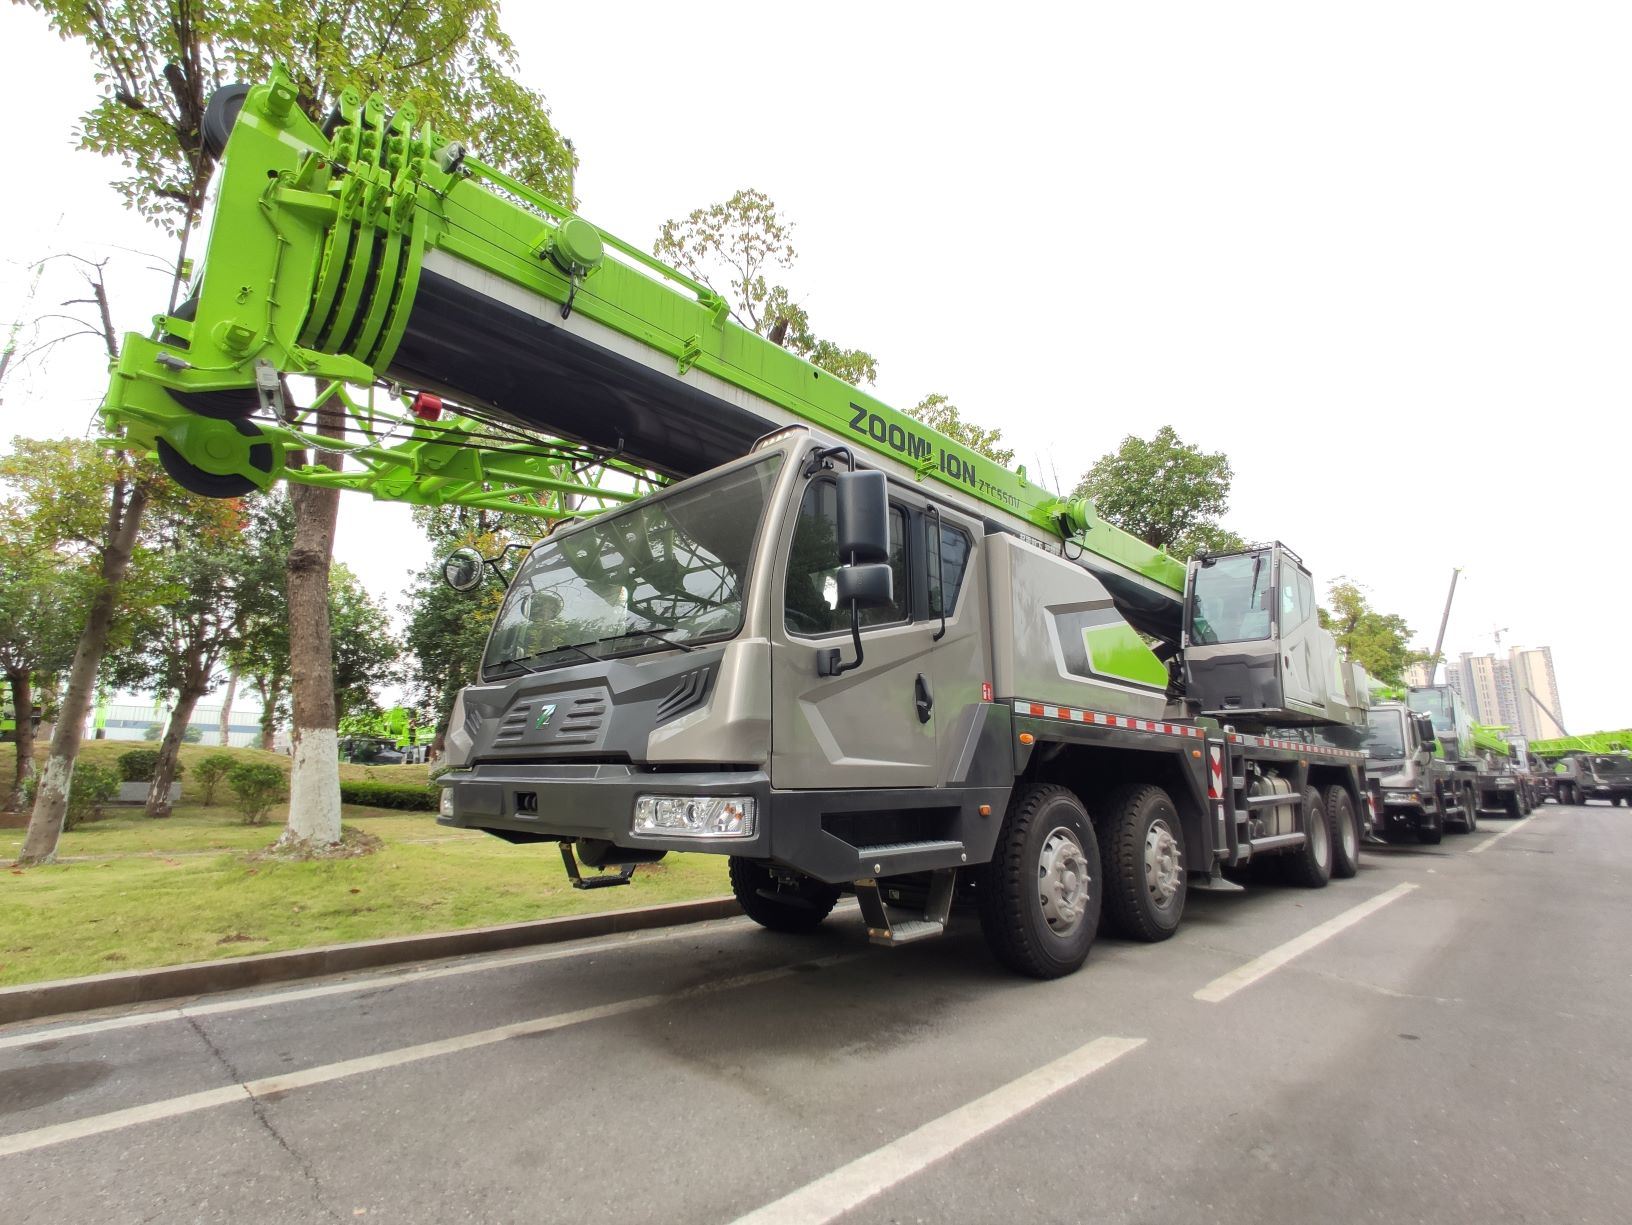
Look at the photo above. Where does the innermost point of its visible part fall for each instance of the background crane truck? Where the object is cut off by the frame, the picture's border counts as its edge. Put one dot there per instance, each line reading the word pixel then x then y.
pixel 1477 757
pixel 1418 786
pixel 804 630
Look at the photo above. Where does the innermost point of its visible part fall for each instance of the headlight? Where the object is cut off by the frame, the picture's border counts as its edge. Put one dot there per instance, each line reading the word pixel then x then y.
pixel 694 816
pixel 1504 782
pixel 1399 797
pixel 444 806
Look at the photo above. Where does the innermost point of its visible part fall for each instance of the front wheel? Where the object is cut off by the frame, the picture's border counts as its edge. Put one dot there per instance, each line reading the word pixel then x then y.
pixel 1311 864
pixel 1470 812
pixel 1345 832
pixel 1040 896
pixel 781 905
pixel 1433 832
pixel 1142 850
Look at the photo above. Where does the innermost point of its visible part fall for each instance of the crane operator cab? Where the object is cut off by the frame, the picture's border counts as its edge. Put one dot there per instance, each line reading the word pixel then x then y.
pixel 1254 648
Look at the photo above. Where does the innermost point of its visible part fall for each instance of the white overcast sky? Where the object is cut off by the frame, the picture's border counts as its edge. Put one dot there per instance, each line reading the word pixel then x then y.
pixel 1380 254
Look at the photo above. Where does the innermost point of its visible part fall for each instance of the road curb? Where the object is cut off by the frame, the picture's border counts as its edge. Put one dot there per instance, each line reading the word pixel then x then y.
pixel 31 1001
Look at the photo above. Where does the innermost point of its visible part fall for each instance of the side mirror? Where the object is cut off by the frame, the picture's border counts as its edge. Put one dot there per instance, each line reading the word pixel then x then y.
pixel 463 569
pixel 864 517
pixel 866 586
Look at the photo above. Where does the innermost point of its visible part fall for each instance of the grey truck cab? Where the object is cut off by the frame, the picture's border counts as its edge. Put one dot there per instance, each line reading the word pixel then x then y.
pixel 1407 779
pixel 850 680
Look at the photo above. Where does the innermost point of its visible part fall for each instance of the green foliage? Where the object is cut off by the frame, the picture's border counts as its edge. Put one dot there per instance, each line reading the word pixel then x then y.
pixel 404 796
pixel 40 594
pixel 139 766
pixel 1374 640
pixel 256 787
pixel 365 649
pixel 1165 491
pixel 446 629
pixel 90 788
pixel 211 771
pixel 735 244
pixel 939 413
pixel 158 61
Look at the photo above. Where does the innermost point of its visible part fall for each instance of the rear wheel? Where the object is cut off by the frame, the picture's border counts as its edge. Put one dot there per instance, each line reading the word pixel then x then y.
pixel 1040 896
pixel 1470 811
pixel 781 905
pixel 1510 801
pixel 1345 832
pixel 1141 847
pixel 1311 864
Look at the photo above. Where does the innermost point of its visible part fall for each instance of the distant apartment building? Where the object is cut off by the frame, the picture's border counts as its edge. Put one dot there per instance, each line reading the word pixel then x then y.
pixel 1419 674
pixel 1535 692
pixel 1519 693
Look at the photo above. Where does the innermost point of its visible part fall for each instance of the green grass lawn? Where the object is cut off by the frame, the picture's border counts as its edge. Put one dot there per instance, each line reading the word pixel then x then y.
pixel 131 892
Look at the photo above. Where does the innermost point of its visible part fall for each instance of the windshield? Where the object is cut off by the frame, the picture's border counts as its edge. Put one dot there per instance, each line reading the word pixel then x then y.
pixel 1385 735
pixel 1612 765
pixel 1231 600
pixel 1436 704
pixel 669 570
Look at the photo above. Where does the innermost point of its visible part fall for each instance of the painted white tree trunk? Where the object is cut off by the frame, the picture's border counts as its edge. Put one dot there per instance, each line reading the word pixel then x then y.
pixel 314 787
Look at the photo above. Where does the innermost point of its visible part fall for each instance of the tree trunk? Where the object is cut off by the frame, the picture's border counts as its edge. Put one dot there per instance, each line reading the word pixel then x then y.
pixel 22 698
pixel 51 796
pixel 158 795
pixel 314 770
pixel 226 709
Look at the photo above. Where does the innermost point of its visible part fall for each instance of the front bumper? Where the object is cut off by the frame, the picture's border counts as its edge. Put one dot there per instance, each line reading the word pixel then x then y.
pixel 835 836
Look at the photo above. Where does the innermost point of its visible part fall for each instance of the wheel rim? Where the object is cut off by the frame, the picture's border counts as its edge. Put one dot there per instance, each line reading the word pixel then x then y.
pixel 1320 841
pixel 1351 837
pixel 1163 870
pixel 1063 883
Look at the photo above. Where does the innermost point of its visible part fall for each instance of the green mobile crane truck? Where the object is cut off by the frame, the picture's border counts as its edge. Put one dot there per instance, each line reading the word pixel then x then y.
pixel 803 630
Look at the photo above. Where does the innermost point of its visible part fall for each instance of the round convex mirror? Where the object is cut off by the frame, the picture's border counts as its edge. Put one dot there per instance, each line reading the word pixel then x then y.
pixel 463 569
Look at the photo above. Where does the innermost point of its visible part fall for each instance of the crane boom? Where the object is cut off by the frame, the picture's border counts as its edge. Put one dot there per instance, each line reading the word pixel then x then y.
pixel 371 253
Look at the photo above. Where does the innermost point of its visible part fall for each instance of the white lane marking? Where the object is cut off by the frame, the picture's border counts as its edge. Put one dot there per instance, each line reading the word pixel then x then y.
pixel 851 1185
pixel 603 944
pixel 98 1124
pixel 1226 985
pixel 1511 829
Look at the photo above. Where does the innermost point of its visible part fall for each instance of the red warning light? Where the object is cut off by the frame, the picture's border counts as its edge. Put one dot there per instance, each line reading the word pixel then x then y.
pixel 426 406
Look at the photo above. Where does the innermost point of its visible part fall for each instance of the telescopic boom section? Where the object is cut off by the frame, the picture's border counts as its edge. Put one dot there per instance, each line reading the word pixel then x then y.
pixel 370 253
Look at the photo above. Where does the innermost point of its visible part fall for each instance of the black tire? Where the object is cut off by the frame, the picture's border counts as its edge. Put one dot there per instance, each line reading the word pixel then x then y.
pixel 1510 801
pixel 1141 850
pixel 779 905
pixel 1009 888
pixel 1345 832
pixel 1311 864
pixel 1470 812
pixel 1433 832
pixel 1454 823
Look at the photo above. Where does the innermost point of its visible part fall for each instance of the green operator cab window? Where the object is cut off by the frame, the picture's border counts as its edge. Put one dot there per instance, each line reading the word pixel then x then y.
pixel 810 604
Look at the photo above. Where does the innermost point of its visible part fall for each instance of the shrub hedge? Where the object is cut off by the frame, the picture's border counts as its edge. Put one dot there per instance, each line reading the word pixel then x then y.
pixel 410 797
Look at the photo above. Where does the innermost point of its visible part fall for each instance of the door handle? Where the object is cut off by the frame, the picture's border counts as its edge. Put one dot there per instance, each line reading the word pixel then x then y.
pixel 923 697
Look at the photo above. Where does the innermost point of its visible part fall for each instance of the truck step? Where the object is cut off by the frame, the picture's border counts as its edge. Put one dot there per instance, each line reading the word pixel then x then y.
pixel 905 931
pixel 895 858
pixel 892 925
pixel 1214 884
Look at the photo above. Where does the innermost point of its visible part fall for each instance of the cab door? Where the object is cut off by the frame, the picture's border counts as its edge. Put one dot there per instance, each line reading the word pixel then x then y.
pixel 873 726
pixel 1302 677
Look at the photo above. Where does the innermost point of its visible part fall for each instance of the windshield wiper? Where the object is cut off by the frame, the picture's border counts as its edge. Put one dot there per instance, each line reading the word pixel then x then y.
pixel 660 632
pixel 518 662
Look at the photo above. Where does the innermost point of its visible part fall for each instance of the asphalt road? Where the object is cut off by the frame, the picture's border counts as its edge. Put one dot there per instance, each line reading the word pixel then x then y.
pixel 1444 1038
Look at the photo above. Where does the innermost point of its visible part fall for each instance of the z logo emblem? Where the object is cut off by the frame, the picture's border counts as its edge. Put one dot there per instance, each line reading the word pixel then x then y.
pixel 545 714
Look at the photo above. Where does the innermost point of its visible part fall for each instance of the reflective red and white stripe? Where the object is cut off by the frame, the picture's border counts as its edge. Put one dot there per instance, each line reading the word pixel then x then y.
pixel 1294 746
pixel 1097 718
pixel 1215 772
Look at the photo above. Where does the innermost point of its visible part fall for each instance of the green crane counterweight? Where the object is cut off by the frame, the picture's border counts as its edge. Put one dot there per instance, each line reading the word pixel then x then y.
pixel 371 253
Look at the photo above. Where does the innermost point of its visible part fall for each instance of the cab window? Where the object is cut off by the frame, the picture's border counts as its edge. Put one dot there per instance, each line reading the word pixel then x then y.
pixel 810 602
